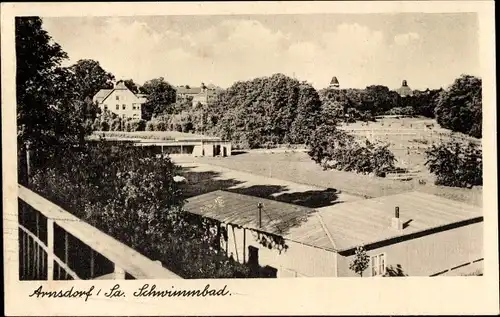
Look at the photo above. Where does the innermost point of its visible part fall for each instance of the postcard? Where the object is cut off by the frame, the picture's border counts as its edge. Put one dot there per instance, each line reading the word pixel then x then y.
pixel 249 158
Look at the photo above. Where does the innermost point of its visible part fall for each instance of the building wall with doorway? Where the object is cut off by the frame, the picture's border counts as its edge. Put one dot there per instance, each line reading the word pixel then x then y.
pixel 212 148
pixel 194 148
pixel 427 255
pixel 298 260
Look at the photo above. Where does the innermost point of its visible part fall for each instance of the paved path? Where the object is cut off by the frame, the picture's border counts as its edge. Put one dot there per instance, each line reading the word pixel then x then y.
pixel 248 180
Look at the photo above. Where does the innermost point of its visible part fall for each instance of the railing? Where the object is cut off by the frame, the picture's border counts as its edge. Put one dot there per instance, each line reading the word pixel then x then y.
pixel 56 245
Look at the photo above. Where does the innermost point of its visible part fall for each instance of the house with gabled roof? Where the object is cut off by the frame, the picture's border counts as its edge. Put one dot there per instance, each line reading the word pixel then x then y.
pixel 121 101
pixel 202 94
pixel 413 234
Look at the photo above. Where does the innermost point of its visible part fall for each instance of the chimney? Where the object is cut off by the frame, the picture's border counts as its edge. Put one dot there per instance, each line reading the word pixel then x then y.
pixel 396 222
pixel 259 215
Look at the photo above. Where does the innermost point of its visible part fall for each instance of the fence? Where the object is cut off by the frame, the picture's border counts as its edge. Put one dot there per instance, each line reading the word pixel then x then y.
pixel 56 245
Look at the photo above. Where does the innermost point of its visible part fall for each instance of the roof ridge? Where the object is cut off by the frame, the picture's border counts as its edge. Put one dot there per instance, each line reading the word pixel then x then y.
pixel 109 93
pixel 325 229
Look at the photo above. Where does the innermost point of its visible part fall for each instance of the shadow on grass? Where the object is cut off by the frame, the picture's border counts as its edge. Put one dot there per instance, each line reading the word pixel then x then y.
pixel 238 152
pixel 199 183
pixel 310 198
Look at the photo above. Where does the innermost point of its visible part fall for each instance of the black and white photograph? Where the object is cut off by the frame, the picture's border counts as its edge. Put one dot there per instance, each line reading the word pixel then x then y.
pixel 248 146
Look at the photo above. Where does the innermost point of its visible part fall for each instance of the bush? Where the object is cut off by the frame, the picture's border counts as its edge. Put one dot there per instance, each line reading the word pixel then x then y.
pixel 161 126
pixel 104 126
pixel 335 149
pixel 456 164
pixel 399 111
pixel 115 125
pixel 131 196
pixel 150 126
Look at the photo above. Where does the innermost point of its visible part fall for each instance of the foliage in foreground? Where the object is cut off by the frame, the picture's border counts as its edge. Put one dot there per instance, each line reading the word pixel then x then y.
pixel 334 149
pixel 132 197
pixel 456 164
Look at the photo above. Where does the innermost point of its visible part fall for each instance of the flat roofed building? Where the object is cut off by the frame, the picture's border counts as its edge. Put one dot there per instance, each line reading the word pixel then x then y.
pixel 412 234
pixel 171 142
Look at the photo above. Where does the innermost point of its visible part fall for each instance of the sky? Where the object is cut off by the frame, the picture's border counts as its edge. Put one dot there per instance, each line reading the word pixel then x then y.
pixel 428 50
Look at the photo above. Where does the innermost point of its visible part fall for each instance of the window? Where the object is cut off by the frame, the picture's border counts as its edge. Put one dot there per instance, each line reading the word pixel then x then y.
pixel 105 107
pixel 133 107
pixel 117 97
pixel 124 107
pixel 378 264
pixel 117 107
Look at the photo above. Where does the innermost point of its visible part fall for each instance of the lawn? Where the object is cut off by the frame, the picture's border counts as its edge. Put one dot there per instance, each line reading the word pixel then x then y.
pixel 299 168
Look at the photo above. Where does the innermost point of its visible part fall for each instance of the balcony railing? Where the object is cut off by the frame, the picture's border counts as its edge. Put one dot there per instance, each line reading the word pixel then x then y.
pixel 56 245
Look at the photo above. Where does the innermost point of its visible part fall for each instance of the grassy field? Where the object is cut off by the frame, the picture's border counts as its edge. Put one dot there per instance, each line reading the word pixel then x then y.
pixel 299 168
pixel 409 138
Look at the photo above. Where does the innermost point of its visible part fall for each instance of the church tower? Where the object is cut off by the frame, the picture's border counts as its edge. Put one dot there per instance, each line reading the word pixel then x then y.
pixel 334 83
pixel 404 91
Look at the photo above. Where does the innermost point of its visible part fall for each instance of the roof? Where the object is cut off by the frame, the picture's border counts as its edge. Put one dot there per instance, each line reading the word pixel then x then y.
pixel 404 90
pixel 334 81
pixel 188 91
pixel 339 227
pixel 103 93
pixel 121 86
pixel 368 221
pixel 277 217
pixel 155 136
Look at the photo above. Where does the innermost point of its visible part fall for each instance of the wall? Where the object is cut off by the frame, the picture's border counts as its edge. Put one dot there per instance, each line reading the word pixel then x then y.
pixel 127 98
pixel 208 149
pixel 298 260
pixel 201 98
pixel 430 254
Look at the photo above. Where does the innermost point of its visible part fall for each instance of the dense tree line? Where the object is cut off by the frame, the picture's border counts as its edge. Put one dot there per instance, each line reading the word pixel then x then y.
pixel 262 111
pixel 364 104
pixel 109 121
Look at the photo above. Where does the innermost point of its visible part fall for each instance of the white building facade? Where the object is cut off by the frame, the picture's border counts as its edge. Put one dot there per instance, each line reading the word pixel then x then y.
pixel 121 101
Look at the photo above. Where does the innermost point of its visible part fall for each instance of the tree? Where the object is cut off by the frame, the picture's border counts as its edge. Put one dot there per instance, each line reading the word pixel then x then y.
pixel 360 262
pixel 160 99
pixel 132 196
pixel 130 84
pixel 456 164
pixel 51 117
pixel 307 114
pixel 262 112
pixel 90 78
pixel 459 108
pixel 422 102
pixel 379 99
pixel 332 148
